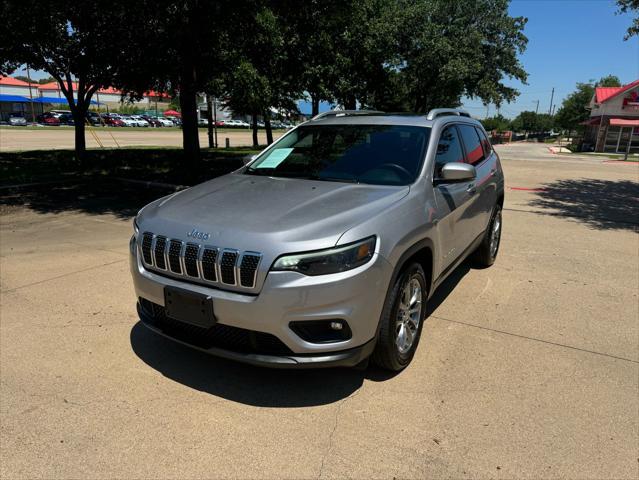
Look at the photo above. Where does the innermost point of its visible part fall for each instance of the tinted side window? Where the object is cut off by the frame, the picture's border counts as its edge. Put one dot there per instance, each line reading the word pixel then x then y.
pixel 448 149
pixel 484 142
pixel 474 149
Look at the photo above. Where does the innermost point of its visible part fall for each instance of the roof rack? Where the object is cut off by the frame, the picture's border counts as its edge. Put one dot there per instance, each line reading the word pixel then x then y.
pixel 441 112
pixel 345 113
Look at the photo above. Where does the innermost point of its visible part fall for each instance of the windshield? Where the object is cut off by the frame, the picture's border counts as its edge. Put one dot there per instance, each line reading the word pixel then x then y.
pixel 375 154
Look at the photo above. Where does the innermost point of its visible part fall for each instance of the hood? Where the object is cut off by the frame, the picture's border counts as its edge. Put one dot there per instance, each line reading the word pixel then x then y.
pixel 248 212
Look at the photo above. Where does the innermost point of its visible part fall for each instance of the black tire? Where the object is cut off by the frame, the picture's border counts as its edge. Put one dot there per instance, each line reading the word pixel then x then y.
pixel 485 254
pixel 387 354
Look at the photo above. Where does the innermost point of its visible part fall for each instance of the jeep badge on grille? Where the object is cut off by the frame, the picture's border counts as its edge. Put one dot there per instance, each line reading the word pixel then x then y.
pixel 199 235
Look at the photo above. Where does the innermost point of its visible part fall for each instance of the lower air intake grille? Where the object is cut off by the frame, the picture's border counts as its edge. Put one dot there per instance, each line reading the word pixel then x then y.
pixel 221 336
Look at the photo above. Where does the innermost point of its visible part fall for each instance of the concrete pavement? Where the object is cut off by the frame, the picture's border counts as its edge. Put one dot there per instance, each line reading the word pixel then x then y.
pixel 528 369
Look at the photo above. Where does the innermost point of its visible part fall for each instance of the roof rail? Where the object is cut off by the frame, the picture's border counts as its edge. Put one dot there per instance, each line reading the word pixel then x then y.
pixel 345 113
pixel 440 112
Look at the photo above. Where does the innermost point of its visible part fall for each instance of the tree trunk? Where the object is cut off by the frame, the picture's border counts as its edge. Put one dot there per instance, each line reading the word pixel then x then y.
pixel 314 105
pixel 269 129
pixel 80 140
pixel 188 105
pixel 254 126
pixel 209 119
pixel 350 103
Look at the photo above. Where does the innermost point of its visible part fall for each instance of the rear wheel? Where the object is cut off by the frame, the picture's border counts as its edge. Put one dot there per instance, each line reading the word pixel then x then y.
pixel 486 253
pixel 402 320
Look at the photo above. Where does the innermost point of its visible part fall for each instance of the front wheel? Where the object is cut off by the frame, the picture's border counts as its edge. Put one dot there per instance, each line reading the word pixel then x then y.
pixel 402 320
pixel 486 253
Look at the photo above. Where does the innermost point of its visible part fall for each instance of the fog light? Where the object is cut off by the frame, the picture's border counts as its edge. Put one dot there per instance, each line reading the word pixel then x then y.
pixel 337 325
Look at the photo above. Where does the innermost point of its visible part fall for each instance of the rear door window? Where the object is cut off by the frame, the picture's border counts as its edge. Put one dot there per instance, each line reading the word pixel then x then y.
pixel 474 148
pixel 488 148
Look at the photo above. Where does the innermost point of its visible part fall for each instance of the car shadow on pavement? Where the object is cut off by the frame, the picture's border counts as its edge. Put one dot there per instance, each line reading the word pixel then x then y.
pixel 264 387
pixel 95 197
pixel 601 204
pixel 247 384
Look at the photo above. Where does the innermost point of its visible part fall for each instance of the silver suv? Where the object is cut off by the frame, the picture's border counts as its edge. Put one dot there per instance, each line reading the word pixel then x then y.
pixel 325 248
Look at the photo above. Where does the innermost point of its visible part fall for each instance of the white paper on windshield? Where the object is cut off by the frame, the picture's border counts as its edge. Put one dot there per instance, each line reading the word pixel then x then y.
pixel 276 157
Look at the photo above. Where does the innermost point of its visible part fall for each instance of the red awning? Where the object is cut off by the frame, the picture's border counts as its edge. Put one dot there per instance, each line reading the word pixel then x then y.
pixel 172 113
pixel 624 122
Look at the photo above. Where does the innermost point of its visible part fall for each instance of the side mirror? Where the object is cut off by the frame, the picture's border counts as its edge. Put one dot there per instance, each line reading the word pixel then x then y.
pixel 457 172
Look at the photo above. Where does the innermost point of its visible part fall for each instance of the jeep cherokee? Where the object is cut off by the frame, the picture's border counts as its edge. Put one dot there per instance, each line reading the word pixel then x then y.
pixel 324 249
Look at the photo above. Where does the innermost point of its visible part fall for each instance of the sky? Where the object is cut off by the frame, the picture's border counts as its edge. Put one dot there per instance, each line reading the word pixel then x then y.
pixel 569 41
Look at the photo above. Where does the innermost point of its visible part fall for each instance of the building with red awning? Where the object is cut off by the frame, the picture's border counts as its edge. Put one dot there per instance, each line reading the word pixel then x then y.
pixel 613 125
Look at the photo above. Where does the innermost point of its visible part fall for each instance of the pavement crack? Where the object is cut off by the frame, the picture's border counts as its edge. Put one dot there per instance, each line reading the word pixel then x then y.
pixel 330 437
pixel 63 275
pixel 548 342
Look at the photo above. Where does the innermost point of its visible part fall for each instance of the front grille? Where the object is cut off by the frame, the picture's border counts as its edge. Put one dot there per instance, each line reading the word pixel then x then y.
pixel 227 267
pixel 147 241
pixel 175 249
pixel 190 259
pixel 158 253
pixel 226 337
pixel 209 260
pixel 202 263
pixel 248 269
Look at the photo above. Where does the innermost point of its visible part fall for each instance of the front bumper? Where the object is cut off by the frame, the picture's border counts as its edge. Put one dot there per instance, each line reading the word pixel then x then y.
pixel 344 358
pixel 356 296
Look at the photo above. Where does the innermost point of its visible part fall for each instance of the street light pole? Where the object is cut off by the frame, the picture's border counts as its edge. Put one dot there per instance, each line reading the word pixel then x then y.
pixel 537 109
pixel 30 96
pixel 552 96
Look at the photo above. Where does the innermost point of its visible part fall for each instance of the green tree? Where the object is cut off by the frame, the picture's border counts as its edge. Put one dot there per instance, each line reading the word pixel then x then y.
pixel 609 81
pixel 449 49
pixel 527 121
pixel 498 123
pixel 81 45
pixel 626 6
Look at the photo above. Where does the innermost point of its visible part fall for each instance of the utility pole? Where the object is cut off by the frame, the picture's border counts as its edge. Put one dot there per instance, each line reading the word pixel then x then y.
pixel 552 96
pixel 487 107
pixel 553 110
pixel 537 109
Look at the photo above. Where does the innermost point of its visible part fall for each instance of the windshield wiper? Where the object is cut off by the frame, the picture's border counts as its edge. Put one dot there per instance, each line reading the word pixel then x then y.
pixel 334 179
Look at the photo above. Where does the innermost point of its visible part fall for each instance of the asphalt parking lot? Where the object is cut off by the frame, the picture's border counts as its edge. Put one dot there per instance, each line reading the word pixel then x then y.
pixel 526 369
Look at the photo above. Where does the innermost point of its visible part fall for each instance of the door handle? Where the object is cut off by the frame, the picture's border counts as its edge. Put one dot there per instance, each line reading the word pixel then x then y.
pixel 471 188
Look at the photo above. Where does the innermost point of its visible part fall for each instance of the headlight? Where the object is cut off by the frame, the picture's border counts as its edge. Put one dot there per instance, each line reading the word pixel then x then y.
pixel 332 260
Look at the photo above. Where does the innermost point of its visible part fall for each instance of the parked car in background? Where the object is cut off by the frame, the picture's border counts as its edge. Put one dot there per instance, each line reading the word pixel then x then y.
pixel 165 122
pixel 94 119
pixel 128 121
pixel 48 118
pixel 220 123
pixel 203 122
pixel 141 122
pixel 112 121
pixel 17 119
pixel 152 121
pixel 66 119
pixel 175 120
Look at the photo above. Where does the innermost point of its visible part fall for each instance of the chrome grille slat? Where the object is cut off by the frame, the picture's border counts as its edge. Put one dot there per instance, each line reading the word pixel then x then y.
pixel 174 254
pixel 202 263
pixel 228 263
pixel 190 260
pixel 159 252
